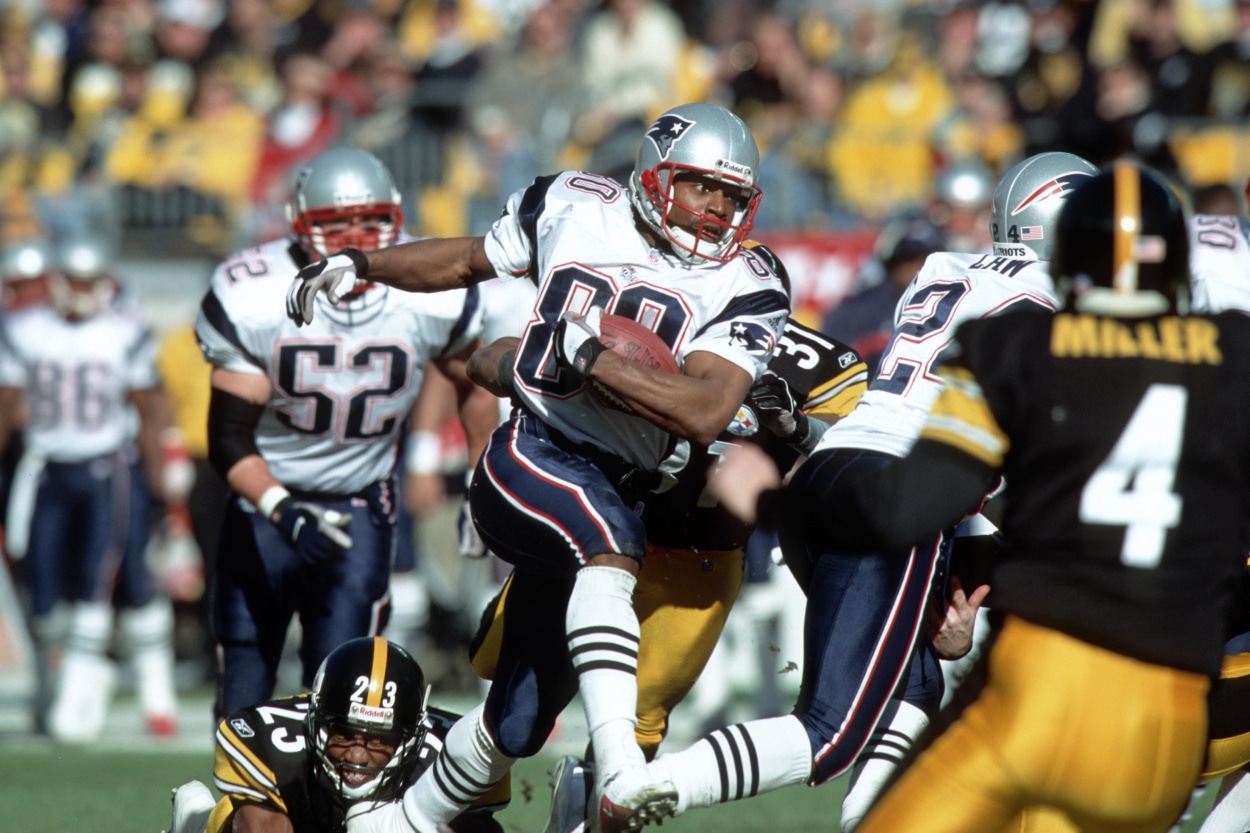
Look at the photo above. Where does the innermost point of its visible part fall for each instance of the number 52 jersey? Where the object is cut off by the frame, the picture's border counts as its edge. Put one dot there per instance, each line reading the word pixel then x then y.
pixel 342 386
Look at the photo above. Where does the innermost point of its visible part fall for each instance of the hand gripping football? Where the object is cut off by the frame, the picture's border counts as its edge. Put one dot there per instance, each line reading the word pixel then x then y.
pixel 631 340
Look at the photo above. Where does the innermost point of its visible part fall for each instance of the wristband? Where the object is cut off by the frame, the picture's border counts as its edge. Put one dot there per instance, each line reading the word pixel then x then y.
pixel 425 452
pixel 269 501
pixel 358 260
pixel 584 358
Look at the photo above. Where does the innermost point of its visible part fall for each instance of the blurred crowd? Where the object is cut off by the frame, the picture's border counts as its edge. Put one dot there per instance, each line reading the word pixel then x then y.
pixel 188 116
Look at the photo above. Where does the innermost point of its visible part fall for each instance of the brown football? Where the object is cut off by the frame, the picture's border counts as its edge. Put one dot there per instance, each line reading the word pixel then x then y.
pixel 629 339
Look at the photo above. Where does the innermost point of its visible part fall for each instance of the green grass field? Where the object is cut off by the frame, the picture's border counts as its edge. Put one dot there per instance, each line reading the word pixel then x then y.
pixel 45 789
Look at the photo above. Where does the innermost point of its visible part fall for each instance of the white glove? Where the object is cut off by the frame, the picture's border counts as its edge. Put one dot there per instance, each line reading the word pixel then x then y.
pixel 378 817
pixel 336 276
pixel 470 543
pixel 577 340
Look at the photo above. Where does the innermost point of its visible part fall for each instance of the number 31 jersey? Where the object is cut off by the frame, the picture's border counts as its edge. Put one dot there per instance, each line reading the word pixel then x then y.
pixel 342 386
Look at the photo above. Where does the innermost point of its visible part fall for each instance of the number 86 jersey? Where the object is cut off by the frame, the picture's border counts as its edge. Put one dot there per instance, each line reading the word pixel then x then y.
pixel 342 386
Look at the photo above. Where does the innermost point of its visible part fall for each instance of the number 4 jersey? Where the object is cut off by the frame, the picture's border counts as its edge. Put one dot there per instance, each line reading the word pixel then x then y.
pixel 1126 447
pixel 342 386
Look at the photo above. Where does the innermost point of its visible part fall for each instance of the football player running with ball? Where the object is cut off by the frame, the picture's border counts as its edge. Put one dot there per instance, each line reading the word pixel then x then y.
pixel 555 492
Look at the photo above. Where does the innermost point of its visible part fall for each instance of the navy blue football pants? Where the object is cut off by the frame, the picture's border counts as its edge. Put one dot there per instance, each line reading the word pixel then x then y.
pixel 864 638
pixel 261 583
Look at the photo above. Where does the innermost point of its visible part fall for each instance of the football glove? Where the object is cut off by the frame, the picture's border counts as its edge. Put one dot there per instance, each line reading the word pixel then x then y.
pixel 577 340
pixel 779 413
pixel 470 543
pixel 315 532
pixel 336 275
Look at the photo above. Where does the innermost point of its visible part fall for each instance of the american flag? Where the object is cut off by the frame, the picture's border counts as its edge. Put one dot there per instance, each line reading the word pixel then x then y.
pixel 1030 232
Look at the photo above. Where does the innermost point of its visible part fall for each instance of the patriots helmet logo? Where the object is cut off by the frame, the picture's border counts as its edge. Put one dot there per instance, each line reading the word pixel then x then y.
pixel 666 131
pixel 1060 186
pixel 751 337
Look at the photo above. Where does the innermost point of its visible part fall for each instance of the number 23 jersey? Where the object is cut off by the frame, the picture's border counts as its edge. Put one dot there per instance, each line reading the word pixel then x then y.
pixel 576 236
pixel 342 386
pixel 263 758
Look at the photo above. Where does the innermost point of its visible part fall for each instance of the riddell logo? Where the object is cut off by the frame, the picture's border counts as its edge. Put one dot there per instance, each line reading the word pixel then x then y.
pixel 383 718
pixel 1060 186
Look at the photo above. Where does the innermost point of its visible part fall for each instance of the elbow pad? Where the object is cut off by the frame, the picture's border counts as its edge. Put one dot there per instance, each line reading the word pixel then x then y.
pixel 231 430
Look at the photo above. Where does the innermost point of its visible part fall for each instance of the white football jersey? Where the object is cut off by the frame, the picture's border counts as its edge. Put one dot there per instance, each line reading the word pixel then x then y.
pixel 343 386
pixel 1219 260
pixel 949 289
pixel 76 377
pixel 574 235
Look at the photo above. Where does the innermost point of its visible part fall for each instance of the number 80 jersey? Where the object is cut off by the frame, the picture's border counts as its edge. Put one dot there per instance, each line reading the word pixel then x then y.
pixel 342 386
pixel 576 236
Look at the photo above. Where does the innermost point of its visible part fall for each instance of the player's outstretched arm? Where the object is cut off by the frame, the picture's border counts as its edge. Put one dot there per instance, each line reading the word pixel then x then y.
pixel 430 265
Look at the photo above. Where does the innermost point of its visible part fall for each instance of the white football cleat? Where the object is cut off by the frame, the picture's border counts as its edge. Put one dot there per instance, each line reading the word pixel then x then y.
pixel 631 800
pixel 193 802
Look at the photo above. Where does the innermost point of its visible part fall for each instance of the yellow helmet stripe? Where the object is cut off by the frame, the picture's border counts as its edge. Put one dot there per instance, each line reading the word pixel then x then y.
pixel 1127 227
pixel 378 674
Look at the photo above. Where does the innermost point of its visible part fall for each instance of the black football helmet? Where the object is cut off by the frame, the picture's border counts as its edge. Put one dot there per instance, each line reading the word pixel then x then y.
pixel 1122 245
pixel 371 687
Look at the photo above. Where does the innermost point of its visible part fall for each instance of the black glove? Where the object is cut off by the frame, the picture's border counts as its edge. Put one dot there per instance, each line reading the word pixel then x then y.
pixel 577 340
pixel 778 412
pixel 315 532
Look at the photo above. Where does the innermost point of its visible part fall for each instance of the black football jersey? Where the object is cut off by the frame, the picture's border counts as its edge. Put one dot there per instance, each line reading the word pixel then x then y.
pixel 825 376
pixel 1125 446
pixel 263 757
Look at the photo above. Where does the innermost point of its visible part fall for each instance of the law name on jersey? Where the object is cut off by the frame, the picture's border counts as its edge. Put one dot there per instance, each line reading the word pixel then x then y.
pixel 1171 339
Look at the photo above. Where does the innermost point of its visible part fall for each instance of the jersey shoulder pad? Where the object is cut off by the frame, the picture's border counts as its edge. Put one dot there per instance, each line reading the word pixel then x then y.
pixel 770 257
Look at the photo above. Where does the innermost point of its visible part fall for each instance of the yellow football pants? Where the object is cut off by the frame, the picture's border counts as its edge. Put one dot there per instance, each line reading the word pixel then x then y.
pixel 1114 744
pixel 682 600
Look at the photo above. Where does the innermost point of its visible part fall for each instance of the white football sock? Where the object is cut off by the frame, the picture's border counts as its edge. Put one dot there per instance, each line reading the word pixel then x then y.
pixel 738 762
pixel 148 634
pixel 465 770
pixel 1231 812
pixel 603 634
pixel 87 676
pixel 896 733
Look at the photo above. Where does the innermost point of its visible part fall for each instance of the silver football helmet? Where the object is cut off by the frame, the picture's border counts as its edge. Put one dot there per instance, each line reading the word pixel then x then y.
pixel 1027 202
pixel 83 282
pixel 24 270
pixel 337 186
pixel 25 260
pixel 708 140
